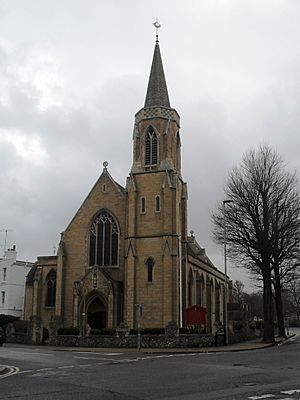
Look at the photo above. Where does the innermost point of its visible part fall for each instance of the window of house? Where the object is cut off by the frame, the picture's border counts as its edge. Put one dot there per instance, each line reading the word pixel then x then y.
pixel 143 205
pixel 149 265
pixel 2 298
pixel 4 273
pixel 157 204
pixel 151 147
pixel 104 241
pixel 51 288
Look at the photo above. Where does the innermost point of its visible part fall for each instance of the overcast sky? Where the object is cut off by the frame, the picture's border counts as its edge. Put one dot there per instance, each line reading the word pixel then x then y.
pixel 74 72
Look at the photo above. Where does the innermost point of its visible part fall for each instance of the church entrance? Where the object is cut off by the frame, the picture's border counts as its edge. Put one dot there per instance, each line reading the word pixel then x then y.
pixel 97 315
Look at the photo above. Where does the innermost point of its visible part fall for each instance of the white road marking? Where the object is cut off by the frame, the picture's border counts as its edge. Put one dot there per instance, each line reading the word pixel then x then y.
pixel 263 396
pixel 11 371
pixel 31 352
pixel 102 354
pixel 293 391
pixel 95 358
pixel 26 372
pixel 84 365
pixel 66 366
pixel 44 369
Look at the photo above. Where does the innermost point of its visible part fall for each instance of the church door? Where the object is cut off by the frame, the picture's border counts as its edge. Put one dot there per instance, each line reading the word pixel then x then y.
pixel 97 314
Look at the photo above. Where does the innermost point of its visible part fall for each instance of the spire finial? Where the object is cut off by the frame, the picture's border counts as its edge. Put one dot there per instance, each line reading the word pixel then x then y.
pixel 157 26
pixel 105 164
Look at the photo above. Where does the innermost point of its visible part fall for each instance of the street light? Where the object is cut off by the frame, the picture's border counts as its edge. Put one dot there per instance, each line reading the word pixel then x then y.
pixel 225 270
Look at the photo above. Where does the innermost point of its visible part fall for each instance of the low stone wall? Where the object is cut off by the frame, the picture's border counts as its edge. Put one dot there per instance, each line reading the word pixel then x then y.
pixel 18 337
pixel 147 341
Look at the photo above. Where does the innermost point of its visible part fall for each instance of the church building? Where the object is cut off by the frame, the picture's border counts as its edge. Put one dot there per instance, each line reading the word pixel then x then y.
pixel 126 254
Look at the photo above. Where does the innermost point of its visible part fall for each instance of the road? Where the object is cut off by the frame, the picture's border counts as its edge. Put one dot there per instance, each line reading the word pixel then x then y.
pixel 49 373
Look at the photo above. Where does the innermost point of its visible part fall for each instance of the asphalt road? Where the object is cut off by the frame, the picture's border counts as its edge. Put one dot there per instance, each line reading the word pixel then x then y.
pixel 47 373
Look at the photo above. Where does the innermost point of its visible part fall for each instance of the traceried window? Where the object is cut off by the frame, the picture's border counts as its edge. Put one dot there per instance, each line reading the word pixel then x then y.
pixel 150 265
pixel 51 288
pixel 104 241
pixel 151 147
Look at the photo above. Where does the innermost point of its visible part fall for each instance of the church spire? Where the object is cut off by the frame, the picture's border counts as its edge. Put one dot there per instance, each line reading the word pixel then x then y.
pixel 157 92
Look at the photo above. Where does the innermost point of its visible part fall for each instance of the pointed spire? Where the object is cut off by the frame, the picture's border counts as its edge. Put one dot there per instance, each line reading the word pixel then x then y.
pixel 157 92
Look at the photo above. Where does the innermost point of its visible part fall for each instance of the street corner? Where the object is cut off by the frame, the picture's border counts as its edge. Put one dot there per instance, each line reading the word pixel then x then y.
pixel 7 370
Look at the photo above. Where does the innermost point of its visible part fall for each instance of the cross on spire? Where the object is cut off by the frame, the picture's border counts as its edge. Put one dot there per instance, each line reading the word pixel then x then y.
pixel 157 26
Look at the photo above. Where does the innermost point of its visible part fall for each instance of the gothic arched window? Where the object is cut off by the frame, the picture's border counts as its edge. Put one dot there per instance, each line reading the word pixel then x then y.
pixel 51 288
pixel 104 240
pixel 151 147
pixel 150 265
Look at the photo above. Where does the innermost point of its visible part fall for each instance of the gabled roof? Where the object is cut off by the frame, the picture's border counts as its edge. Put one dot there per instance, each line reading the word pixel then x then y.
pixel 157 92
pixel 105 174
pixel 196 251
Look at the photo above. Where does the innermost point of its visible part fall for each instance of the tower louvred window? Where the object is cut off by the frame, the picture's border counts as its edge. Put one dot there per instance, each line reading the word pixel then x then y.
pixel 151 147
pixel 104 241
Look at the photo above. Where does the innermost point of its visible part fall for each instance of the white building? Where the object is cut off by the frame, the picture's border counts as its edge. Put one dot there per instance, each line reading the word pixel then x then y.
pixel 12 283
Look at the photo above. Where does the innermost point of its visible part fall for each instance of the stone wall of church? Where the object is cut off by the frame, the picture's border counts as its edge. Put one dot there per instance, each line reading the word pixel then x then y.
pixel 105 195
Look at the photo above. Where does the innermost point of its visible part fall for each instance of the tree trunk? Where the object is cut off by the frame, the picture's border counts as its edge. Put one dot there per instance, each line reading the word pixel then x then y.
pixel 268 306
pixel 278 303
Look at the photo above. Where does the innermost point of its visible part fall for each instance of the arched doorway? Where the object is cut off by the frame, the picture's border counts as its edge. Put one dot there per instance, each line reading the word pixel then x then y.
pixel 97 314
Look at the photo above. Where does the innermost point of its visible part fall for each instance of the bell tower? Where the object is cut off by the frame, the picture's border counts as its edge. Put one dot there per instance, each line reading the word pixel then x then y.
pixel 156 213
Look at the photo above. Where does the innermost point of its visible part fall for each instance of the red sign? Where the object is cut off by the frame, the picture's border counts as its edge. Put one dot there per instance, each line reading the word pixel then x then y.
pixel 195 315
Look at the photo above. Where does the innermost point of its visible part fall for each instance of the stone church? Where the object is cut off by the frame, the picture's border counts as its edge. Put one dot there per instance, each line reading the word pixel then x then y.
pixel 126 254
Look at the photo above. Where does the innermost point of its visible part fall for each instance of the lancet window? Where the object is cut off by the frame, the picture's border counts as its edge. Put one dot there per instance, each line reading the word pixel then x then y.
pixel 104 241
pixel 51 288
pixel 150 265
pixel 151 147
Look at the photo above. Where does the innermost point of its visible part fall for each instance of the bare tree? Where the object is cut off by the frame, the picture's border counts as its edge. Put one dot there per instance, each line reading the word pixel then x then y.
pixel 238 288
pixel 262 223
pixel 293 296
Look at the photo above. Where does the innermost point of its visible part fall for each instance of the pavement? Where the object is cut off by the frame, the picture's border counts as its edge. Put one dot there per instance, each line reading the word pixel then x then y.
pixel 248 345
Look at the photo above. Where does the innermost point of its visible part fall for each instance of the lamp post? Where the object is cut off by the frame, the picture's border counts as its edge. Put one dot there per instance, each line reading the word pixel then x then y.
pixel 225 270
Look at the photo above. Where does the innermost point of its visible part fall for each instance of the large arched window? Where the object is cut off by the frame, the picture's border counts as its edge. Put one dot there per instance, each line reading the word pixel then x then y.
pixel 104 241
pixel 51 288
pixel 151 147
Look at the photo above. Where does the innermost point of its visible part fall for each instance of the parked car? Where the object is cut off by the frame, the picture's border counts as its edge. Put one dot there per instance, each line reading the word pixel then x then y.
pixel 2 336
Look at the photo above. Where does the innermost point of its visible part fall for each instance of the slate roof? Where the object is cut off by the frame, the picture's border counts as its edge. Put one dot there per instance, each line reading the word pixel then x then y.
pixel 157 92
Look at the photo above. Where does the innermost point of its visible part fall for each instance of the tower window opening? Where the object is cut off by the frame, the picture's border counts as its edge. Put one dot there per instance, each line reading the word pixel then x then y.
pixel 104 241
pixel 157 204
pixel 143 205
pixel 150 265
pixel 151 147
